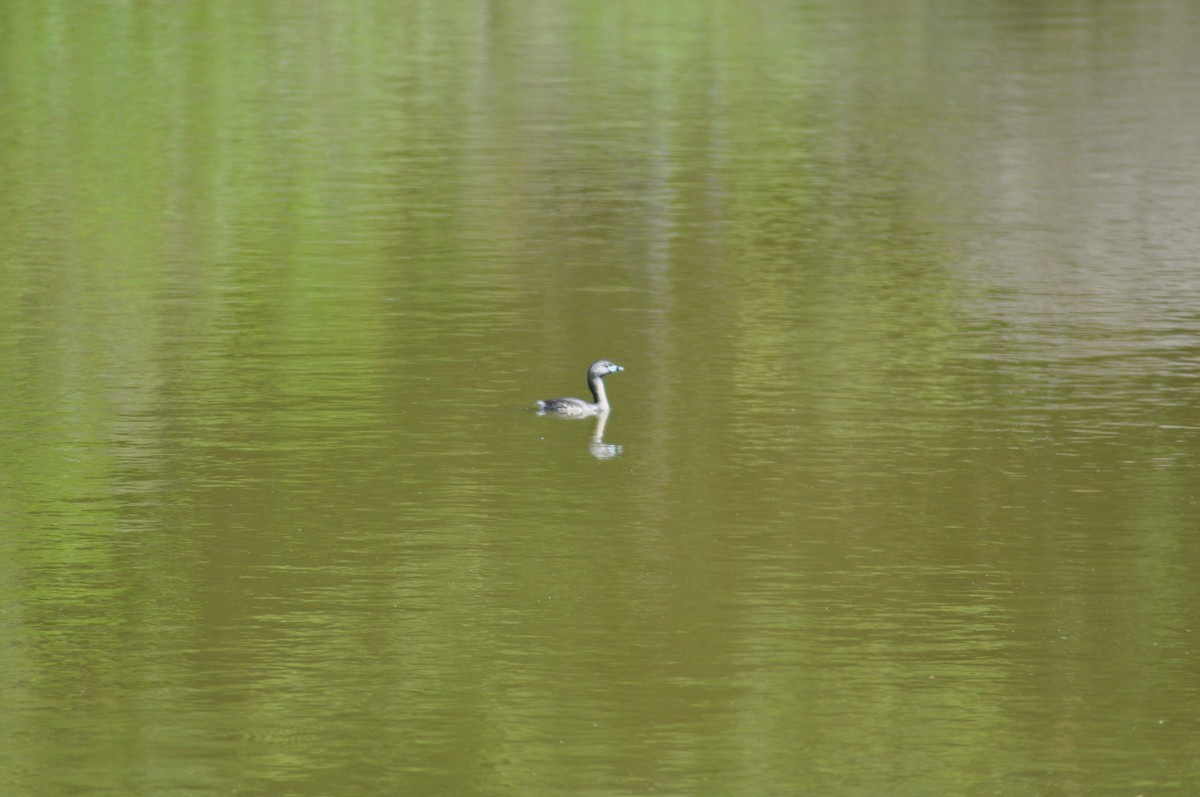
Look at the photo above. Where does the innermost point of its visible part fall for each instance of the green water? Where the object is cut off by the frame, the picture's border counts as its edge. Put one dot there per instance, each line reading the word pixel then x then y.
pixel 900 494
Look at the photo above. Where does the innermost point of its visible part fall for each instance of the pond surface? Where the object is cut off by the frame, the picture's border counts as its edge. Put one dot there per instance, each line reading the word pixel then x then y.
pixel 900 493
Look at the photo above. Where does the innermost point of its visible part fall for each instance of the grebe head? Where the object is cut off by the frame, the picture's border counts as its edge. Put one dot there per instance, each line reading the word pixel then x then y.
pixel 603 368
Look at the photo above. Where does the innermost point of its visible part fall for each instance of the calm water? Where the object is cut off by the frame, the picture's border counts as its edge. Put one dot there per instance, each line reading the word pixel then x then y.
pixel 901 490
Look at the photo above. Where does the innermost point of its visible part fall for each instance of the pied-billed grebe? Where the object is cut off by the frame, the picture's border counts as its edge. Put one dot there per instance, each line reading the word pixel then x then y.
pixel 578 408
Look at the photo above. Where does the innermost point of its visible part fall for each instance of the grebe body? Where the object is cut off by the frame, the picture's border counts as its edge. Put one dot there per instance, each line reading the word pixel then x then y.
pixel 579 408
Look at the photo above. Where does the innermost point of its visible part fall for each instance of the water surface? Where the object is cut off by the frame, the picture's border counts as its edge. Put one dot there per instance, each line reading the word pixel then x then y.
pixel 898 495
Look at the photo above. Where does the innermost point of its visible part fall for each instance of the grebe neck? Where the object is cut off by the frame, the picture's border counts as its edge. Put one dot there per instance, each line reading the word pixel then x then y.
pixel 596 383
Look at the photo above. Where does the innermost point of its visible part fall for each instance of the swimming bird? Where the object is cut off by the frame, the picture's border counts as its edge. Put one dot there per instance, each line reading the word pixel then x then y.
pixel 578 408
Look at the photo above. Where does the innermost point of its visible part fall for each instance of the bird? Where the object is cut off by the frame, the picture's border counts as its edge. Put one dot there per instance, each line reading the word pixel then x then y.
pixel 578 408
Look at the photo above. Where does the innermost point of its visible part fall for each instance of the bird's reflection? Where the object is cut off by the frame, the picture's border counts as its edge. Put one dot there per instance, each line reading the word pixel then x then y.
pixel 596 446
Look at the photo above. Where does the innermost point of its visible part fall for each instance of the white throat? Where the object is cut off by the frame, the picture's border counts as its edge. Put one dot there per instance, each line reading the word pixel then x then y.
pixel 597 386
